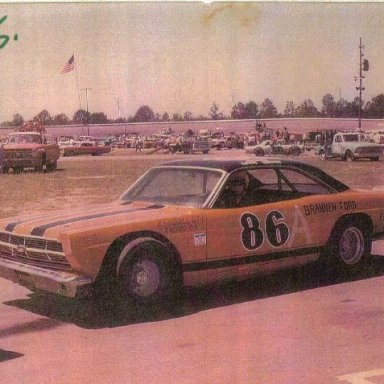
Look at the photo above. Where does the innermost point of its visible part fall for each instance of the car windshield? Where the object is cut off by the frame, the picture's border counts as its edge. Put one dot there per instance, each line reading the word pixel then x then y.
pixel 352 138
pixel 180 186
pixel 23 139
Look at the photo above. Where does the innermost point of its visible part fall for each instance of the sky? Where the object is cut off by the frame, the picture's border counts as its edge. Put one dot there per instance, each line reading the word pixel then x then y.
pixel 177 57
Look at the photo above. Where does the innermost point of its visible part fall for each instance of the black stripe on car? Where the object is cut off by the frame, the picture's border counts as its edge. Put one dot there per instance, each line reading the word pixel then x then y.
pixel 40 230
pixel 253 259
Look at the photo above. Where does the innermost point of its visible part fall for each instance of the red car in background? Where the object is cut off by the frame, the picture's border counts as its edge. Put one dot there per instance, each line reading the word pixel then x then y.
pixel 84 148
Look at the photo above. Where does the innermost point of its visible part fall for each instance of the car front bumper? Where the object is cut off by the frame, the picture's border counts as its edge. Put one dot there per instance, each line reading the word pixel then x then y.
pixel 26 163
pixel 35 278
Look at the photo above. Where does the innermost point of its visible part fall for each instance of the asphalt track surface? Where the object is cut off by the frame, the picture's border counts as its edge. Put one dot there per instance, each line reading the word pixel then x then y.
pixel 298 326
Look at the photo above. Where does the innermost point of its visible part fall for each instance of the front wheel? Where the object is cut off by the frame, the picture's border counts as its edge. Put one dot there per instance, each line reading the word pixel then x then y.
pixel 349 156
pixel 146 275
pixel 322 155
pixel 51 166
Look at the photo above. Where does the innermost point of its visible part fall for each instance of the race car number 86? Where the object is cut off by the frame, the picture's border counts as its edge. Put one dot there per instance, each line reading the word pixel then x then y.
pixel 252 236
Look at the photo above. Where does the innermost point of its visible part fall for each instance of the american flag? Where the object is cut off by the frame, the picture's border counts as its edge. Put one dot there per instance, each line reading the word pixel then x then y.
pixel 70 65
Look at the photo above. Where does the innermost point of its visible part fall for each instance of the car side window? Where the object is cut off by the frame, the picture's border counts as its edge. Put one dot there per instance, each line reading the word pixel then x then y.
pixel 338 139
pixel 270 185
pixel 280 184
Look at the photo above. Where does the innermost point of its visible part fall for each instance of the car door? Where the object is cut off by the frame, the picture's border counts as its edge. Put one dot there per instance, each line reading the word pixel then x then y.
pixel 337 145
pixel 269 234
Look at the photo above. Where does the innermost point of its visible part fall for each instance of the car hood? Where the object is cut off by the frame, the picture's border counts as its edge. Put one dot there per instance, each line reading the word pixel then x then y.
pixel 51 225
pixel 23 146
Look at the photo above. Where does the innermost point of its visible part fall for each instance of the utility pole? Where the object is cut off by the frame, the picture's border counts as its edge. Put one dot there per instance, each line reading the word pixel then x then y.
pixel 363 66
pixel 118 107
pixel 86 98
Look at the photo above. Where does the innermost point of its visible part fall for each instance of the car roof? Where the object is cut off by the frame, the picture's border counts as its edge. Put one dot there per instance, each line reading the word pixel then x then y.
pixel 25 133
pixel 230 165
pixel 224 164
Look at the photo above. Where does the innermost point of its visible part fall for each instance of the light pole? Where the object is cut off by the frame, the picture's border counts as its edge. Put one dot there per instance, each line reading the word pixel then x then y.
pixel 118 107
pixel 86 98
pixel 363 66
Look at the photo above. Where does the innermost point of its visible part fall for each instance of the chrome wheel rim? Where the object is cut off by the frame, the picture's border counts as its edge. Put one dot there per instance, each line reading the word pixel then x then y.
pixel 351 246
pixel 145 278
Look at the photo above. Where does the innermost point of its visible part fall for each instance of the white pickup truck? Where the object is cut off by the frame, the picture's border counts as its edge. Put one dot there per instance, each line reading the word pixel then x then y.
pixel 350 146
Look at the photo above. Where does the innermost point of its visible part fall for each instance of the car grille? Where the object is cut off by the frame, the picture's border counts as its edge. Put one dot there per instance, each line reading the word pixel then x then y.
pixel 33 251
pixel 19 154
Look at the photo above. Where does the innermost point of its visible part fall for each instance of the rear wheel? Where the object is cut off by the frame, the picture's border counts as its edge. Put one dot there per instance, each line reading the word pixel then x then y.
pixel 295 151
pixel 259 152
pixel 350 244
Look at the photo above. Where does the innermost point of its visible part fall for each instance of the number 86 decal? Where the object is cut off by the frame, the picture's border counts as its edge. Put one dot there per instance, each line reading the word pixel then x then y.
pixel 276 229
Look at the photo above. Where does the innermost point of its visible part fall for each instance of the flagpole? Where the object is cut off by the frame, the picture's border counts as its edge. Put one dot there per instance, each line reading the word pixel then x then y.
pixel 77 84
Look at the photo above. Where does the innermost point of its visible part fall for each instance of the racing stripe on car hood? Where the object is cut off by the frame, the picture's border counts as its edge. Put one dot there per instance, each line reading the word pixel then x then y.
pixel 40 230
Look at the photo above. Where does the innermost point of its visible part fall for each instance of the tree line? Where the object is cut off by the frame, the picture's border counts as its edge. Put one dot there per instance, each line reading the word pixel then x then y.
pixel 251 110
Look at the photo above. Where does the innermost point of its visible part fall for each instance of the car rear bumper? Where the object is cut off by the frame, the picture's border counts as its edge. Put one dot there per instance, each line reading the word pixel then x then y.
pixel 63 283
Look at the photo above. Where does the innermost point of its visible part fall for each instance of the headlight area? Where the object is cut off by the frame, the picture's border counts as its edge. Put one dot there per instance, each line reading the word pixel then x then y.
pixel 37 154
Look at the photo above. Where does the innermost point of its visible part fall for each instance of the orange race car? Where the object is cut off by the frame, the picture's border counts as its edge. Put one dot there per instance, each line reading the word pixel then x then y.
pixel 191 222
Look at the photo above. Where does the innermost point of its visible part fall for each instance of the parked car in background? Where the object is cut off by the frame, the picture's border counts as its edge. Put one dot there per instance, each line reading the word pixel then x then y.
pixel 30 149
pixel 190 145
pixel 350 146
pixel 377 137
pixel 270 147
pixel 84 148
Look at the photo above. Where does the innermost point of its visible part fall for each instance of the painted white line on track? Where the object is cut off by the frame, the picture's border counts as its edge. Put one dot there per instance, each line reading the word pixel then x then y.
pixel 361 377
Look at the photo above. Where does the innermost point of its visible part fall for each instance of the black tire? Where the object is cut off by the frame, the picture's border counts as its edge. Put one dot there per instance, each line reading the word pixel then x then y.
pixel 322 155
pixel 146 274
pixel 350 244
pixel 349 156
pixel 51 166
pixel 259 151
pixel 295 151
pixel 277 150
pixel 4 170
pixel 38 168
